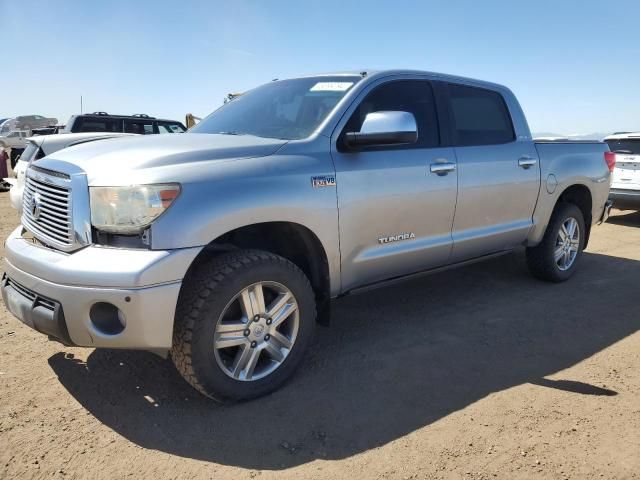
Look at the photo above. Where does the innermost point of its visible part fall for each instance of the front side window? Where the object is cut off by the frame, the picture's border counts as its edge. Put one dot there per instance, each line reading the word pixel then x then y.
pixel 479 116
pixel 286 109
pixel 413 96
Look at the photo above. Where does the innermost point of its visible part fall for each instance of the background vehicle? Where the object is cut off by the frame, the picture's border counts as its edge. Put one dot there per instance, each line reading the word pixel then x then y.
pixel 139 124
pixel 229 241
pixel 14 142
pixel 28 122
pixel 47 130
pixel 625 188
pixel 43 145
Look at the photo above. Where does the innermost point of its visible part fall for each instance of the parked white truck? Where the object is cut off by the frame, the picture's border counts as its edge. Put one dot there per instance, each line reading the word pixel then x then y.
pixel 223 246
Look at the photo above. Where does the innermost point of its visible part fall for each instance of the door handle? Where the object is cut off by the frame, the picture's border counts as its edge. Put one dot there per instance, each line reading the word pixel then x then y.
pixel 442 168
pixel 527 161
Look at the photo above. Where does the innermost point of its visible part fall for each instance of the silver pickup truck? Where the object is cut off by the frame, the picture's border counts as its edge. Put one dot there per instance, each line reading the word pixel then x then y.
pixel 224 246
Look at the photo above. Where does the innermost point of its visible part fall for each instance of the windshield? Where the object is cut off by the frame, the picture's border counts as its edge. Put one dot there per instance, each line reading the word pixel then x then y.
pixel 286 109
pixel 625 145
pixel 29 152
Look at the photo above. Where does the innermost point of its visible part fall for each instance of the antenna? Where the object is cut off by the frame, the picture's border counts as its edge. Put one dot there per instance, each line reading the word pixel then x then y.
pixel 81 104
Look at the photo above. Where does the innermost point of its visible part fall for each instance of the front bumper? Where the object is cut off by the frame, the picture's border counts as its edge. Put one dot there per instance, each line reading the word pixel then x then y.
pixel 625 199
pixel 54 292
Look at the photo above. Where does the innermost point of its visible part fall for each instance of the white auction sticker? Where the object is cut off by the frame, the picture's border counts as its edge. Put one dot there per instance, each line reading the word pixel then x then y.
pixel 331 86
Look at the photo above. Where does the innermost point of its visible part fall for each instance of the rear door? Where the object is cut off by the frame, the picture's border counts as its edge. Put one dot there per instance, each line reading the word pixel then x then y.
pixel 395 214
pixel 498 175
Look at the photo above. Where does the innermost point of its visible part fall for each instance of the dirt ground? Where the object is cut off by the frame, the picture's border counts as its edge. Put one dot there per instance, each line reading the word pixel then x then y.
pixel 477 373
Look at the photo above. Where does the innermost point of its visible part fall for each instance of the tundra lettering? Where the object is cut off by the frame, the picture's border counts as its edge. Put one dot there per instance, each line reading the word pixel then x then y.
pixel 395 238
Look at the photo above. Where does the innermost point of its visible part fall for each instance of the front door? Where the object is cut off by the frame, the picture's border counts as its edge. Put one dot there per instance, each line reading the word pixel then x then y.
pixel 395 214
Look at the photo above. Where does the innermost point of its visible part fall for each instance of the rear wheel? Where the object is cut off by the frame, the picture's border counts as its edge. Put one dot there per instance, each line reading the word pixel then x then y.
pixel 556 257
pixel 243 322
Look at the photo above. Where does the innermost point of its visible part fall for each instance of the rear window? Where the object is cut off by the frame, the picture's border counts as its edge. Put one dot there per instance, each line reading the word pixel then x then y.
pixel 625 145
pixel 479 116
pixel 92 124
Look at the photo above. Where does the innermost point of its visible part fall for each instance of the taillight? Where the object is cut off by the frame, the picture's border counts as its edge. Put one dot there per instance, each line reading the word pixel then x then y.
pixel 610 159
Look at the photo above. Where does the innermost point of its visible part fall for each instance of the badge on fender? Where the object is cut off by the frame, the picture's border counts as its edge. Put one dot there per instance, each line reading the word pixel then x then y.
pixel 323 181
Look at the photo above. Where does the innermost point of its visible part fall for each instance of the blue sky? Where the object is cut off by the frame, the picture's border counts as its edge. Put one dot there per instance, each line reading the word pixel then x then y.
pixel 574 65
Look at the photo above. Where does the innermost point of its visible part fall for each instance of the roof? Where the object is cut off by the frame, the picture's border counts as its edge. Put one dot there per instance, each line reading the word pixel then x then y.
pixel 623 136
pixel 384 73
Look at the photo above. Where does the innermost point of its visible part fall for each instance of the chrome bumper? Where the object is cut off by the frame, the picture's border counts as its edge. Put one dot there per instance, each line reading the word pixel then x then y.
pixel 142 284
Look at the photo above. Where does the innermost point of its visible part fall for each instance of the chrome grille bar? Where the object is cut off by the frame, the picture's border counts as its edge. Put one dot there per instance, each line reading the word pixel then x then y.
pixel 47 212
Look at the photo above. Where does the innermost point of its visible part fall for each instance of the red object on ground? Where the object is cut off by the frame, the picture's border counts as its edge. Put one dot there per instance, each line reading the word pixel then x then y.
pixel 4 172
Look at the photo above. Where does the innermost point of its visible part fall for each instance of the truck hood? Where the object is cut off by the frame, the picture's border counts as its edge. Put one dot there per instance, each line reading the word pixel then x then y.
pixel 125 157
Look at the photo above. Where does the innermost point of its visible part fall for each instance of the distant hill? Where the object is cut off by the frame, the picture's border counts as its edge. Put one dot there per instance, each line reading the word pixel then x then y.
pixel 573 136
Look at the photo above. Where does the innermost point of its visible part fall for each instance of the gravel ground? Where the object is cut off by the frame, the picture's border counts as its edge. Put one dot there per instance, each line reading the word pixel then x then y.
pixel 482 372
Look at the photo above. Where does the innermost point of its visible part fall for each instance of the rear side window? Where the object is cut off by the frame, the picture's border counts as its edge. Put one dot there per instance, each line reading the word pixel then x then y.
pixel 140 127
pixel 479 116
pixel 413 96
pixel 89 124
pixel 170 127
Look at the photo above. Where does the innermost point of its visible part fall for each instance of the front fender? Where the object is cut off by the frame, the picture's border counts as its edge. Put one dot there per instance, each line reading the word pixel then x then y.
pixel 244 192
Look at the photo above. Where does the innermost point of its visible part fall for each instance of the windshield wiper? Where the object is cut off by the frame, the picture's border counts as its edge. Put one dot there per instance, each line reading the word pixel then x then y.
pixel 624 152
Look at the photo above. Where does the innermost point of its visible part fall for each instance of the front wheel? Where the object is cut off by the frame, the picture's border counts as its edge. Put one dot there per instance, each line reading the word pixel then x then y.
pixel 243 322
pixel 556 257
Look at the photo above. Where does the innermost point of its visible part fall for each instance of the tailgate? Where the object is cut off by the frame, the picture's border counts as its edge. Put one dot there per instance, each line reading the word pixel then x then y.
pixel 627 172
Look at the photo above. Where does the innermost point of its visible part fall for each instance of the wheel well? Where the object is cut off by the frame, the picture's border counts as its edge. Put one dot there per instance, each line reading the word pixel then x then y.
pixel 580 196
pixel 292 241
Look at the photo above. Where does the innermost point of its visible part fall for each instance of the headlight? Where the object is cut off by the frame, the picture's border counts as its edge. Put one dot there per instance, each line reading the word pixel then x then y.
pixel 128 210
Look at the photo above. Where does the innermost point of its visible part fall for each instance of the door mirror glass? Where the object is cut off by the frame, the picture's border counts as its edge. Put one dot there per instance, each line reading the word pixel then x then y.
pixel 384 128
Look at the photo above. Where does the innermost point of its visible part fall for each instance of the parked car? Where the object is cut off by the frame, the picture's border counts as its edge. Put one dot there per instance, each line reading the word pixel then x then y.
pixel 625 189
pixel 28 122
pixel 5 126
pixel 139 124
pixel 225 245
pixel 40 146
pixel 47 130
pixel 14 141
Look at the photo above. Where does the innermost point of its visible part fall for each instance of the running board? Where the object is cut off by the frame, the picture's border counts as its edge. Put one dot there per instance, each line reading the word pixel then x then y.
pixel 411 276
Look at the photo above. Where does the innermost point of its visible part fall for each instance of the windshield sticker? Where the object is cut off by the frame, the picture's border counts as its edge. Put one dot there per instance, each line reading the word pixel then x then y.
pixel 331 86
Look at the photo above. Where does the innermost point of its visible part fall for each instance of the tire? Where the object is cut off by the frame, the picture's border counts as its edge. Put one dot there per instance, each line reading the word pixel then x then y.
pixel 217 296
pixel 541 259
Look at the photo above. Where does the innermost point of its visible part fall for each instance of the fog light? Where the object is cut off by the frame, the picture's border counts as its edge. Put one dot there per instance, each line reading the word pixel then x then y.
pixel 107 318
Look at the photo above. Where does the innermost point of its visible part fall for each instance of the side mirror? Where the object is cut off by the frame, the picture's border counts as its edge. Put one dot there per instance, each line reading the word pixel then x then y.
pixel 384 128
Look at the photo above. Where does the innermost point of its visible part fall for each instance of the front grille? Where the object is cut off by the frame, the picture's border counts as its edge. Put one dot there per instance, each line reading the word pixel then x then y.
pixel 47 212
pixel 33 297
